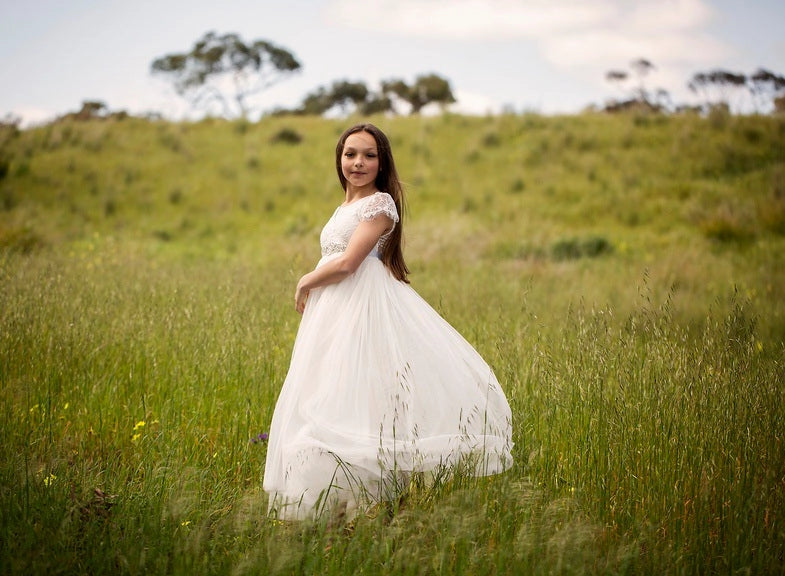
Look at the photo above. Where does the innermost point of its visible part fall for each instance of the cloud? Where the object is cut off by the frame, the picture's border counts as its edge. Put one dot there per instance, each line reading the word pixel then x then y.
pixel 470 19
pixel 576 36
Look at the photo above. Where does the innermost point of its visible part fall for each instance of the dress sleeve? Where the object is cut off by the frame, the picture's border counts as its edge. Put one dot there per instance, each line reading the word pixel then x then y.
pixel 380 203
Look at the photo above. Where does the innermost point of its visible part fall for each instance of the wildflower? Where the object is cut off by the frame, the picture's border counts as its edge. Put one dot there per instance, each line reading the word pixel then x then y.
pixel 261 437
pixel 139 425
pixel 135 437
pixel 185 523
pixel 49 479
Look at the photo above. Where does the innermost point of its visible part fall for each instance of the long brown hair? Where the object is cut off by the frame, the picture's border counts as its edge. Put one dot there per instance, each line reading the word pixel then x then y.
pixel 386 181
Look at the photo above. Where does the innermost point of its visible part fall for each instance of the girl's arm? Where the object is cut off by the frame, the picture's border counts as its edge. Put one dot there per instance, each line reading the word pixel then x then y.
pixel 364 238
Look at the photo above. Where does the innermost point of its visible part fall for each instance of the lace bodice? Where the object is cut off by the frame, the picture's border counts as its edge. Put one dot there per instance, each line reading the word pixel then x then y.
pixel 342 224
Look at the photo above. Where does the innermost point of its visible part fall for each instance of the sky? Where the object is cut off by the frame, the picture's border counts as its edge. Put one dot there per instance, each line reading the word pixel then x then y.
pixel 543 56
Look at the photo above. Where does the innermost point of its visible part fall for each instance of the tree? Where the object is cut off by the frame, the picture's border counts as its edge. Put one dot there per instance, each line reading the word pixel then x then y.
pixel 642 67
pixel 93 110
pixel 717 86
pixel 226 71
pixel 347 94
pixel 618 77
pixel 377 104
pixel 639 97
pixel 316 103
pixel 427 89
pixel 355 96
pixel 764 87
pixel 343 93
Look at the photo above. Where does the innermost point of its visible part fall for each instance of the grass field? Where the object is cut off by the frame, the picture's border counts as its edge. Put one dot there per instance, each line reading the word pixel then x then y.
pixel 623 275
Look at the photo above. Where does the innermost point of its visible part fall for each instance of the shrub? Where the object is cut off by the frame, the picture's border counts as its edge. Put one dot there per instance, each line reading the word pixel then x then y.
pixel 574 248
pixel 772 214
pixel 8 199
pixel 286 136
pixel 518 186
pixel 175 196
pixel 491 140
pixel 567 249
pixel 725 225
pixel 163 235
pixel 595 246
pixel 23 240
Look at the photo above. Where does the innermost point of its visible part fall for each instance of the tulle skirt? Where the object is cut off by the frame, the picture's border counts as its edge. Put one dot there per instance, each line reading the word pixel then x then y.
pixel 379 386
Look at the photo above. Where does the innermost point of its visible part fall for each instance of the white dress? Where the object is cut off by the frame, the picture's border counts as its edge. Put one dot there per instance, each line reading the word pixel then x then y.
pixel 379 386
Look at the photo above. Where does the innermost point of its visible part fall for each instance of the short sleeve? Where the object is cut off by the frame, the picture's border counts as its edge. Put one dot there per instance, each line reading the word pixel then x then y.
pixel 380 203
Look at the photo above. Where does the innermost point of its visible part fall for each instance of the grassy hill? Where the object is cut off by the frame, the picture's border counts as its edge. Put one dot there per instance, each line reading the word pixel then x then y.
pixel 697 203
pixel 624 275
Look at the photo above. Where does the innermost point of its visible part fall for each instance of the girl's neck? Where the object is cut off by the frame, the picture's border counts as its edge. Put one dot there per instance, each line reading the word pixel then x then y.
pixel 353 194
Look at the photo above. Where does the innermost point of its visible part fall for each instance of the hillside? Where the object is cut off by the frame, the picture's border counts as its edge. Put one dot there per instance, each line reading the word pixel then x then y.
pixel 592 202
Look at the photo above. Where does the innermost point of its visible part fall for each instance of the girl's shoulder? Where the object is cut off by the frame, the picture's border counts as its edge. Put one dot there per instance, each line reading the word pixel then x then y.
pixel 376 204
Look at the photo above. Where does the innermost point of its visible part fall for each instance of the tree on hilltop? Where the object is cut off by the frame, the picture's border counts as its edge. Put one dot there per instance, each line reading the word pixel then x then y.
pixel 639 96
pixel 343 94
pixel 426 89
pixel 716 87
pixel 356 97
pixel 226 71
pixel 642 67
pixel 765 87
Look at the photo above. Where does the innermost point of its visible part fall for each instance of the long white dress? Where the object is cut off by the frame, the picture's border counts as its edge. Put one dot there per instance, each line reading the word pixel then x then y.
pixel 379 386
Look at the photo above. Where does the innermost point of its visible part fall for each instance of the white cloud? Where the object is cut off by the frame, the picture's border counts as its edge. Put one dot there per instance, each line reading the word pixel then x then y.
pixel 673 15
pixel 470 19
pixel 582 39
pixel 570 33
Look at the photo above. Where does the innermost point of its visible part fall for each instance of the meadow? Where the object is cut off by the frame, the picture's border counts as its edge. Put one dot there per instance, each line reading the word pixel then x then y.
pixel 624 276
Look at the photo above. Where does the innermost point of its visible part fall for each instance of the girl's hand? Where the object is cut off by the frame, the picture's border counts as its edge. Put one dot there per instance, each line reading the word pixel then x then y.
pixel 300 297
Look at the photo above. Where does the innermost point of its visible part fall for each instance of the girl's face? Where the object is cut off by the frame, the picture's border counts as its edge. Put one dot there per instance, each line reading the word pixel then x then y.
pixel 360 161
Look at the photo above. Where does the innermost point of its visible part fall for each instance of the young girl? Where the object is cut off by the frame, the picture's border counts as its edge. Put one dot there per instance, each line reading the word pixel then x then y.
pixel 379 385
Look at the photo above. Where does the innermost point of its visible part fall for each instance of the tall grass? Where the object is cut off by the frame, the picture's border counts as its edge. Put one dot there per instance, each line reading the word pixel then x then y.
pixel 142 347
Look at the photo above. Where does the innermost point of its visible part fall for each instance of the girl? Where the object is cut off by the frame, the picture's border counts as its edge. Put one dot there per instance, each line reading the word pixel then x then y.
pixel 379 385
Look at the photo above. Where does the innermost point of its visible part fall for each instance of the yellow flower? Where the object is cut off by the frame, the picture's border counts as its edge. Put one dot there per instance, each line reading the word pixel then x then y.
pixel 49 479
pixel 138 425
pixel 135 437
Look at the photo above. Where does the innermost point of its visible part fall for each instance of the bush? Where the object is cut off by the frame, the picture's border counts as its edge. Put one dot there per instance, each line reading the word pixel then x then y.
pixel 725 225
pixel 286 136
pixel 772 214
pixel 573 248
pixel 22 240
